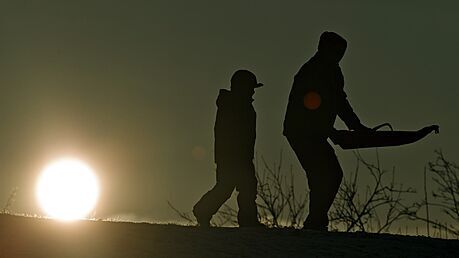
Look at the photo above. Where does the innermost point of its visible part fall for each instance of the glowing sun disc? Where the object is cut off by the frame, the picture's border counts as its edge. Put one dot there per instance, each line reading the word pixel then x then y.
pixel 67 189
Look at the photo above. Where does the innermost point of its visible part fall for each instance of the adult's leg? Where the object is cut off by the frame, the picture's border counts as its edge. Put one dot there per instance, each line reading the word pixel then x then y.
pixel 211 201
pixel 247 188
pixel 324 175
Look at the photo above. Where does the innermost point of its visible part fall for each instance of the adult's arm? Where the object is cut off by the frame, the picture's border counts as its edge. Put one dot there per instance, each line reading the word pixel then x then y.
pixel 345 111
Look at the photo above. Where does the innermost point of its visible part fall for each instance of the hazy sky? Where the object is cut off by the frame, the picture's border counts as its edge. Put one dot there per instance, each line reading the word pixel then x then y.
pixel 130 87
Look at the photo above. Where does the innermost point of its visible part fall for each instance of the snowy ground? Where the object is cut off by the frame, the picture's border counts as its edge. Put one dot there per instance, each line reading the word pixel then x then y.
pixel 31 237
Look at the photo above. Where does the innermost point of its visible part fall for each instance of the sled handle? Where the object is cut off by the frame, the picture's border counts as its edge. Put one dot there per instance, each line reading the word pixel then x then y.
pixel 382 125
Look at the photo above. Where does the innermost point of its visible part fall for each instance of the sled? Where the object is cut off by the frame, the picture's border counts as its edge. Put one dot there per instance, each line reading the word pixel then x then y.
pixel 369 139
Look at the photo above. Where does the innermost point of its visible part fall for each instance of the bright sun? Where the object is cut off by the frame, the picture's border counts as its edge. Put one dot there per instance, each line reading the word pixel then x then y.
pixel 67 189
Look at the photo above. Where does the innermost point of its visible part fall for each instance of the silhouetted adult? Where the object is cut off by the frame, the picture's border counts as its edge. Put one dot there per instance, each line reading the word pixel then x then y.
pixel 234 149
pixel 316 98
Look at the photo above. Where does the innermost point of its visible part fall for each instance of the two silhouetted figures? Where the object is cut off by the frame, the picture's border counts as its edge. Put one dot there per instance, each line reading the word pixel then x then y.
pixel 316 98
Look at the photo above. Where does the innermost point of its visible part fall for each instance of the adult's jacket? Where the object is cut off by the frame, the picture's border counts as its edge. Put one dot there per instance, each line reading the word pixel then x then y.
pixel 326 81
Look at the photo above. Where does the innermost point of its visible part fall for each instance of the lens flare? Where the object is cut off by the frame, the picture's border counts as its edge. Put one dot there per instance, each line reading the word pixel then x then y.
pixel 312 100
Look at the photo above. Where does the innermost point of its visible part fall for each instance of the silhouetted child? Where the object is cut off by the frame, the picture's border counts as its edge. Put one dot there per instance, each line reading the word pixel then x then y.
pixel 235 131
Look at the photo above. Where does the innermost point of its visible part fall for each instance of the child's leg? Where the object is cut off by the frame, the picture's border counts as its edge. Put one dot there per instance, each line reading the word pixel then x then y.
pixel 247 187
pixel 210 202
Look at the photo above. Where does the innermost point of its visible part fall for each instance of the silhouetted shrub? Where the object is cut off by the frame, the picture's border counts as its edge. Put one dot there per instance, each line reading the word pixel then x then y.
pixel 445 178
pixel 377 206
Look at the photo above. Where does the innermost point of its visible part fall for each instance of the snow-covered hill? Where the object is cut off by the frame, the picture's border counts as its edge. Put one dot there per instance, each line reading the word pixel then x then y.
pixel 32 237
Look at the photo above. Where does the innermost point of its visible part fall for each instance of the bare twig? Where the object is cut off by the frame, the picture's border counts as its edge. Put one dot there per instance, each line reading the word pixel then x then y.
pixel 426 203
pixel 10 201
pixel 184 215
